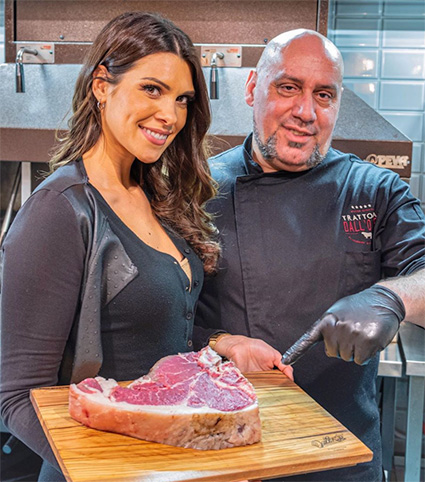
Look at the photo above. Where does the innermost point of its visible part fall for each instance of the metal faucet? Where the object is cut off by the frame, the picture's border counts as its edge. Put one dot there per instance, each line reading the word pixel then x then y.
pixel 214 75
pixel 19 67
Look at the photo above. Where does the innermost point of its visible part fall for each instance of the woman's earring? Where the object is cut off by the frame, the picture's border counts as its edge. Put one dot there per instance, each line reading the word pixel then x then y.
pixel 100 106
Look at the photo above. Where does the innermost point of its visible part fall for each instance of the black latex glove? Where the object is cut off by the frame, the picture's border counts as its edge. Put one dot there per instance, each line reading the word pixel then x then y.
pixel 355 327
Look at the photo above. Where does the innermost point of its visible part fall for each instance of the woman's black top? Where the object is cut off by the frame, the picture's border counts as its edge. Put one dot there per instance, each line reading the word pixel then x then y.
pixel 153 315
pixel 43 270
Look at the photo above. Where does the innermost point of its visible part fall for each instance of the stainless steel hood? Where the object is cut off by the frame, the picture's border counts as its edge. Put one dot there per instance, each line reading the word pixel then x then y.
pixel 364 132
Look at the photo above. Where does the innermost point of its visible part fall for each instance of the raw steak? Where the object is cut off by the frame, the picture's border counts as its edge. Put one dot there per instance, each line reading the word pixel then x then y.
pixel 188 400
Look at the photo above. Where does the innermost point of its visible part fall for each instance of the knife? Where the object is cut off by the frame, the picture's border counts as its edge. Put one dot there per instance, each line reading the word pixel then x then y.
pixel 310 338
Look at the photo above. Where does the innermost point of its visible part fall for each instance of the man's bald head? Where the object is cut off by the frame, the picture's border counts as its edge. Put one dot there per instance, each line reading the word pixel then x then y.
pixel 295 93
pixel 304 38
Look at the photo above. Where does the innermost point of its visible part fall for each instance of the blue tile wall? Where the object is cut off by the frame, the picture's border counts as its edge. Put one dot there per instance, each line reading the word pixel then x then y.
pixel 362 63
pixel 365 89
pixel 409 123
pixel 403 64
pixel 402 95
pixel 348 32
pixel 415 185
pixel 422 186
pixel 403 32
pixel 404 8
pixel 359 7
pixel 383 46
pixel 418 163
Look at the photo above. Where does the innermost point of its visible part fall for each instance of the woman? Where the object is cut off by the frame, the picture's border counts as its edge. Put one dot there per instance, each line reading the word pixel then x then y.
pixel 118 232
pixel 104 263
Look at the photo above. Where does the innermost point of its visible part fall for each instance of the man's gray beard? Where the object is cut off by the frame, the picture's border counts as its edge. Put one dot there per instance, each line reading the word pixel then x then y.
pixel 269 152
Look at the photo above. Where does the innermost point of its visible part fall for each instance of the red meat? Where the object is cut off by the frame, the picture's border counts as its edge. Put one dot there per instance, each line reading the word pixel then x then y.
pixel 189 400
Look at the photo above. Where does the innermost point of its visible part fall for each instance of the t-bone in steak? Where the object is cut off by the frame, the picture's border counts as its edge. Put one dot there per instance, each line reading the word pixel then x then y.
pixel 188 400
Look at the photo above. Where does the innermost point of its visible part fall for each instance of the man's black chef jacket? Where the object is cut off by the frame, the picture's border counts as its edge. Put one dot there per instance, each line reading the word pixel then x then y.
pixel 293 244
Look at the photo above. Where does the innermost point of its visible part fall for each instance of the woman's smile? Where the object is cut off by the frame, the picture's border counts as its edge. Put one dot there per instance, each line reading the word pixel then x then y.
pixel 155 136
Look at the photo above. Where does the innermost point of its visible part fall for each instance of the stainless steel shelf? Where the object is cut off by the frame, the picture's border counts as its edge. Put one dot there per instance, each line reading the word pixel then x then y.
pixel 390 362
pixel 413 345
pixel 412 342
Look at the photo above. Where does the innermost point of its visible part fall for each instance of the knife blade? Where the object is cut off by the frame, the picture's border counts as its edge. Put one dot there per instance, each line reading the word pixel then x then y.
pixel 310 338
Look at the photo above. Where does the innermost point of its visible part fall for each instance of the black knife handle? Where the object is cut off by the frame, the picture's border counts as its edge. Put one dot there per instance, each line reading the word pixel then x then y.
pixel 303 344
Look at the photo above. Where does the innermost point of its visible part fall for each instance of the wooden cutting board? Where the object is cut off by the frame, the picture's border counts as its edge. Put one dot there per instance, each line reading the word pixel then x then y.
pixel 298 436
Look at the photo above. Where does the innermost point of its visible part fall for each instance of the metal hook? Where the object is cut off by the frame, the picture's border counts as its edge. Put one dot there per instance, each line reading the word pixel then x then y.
pixel 214 75
pixel 19 67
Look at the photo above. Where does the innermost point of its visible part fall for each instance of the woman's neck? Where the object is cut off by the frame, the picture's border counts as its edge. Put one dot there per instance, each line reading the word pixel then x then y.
pixel 108 169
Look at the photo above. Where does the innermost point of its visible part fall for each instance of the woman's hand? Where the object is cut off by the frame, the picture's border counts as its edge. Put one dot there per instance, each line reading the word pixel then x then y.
pixel 251 354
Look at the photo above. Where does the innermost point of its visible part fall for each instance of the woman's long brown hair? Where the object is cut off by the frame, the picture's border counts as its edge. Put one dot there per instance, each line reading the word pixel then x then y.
pixel 180 181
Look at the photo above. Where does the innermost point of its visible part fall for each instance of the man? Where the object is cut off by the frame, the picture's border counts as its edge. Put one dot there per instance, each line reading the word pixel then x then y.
pixel 307 234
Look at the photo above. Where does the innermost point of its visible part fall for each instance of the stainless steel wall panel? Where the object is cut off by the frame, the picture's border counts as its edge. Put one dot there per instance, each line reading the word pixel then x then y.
pixel 231 116
pixel 46 101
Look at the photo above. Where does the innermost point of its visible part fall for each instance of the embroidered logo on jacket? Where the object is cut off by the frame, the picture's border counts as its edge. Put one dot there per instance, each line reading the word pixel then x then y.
pixel 358 223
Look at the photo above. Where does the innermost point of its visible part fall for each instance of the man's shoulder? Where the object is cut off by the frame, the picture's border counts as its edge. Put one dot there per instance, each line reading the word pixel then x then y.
pixel 358 165
pixel 228 164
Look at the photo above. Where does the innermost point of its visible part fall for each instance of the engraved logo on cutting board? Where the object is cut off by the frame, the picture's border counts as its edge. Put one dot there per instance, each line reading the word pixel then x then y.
pixel 328 440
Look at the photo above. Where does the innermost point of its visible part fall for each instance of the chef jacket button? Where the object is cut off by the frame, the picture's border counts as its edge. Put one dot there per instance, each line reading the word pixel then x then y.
pixel 189 315
pixel 175 262
pixel 187 251
pixel 189 343
pixel 196 283
pixel 187 288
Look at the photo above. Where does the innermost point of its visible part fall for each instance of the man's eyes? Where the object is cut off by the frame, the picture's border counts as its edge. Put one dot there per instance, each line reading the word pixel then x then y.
pixel 321 95
pixel 287 88
pixel 325 95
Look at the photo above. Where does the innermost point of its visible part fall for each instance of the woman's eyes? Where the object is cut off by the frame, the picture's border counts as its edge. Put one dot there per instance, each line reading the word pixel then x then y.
pixel 152 90
pixel 155 91
pixel 185 99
